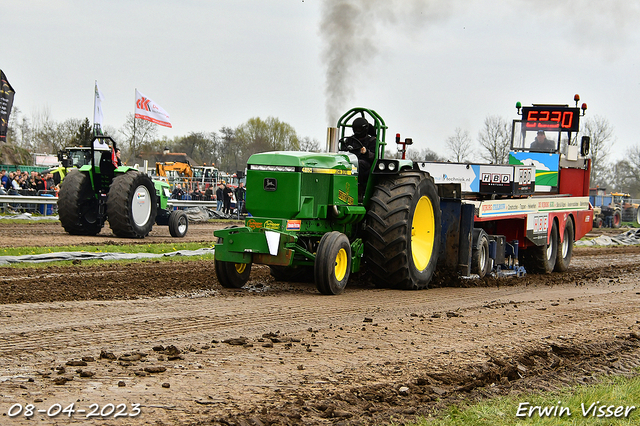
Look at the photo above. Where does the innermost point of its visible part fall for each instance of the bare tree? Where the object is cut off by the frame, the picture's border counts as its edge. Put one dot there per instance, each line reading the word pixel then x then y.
pixel 145 131
pixel 624 175
pixel 309 145
pixel 495 138
pixel 602 139
pixel 423 155
pixel 460 145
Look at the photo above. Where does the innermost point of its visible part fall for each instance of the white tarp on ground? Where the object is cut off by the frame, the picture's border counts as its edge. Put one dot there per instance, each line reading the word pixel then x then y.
pixel 203 214
pixel 29 216
pixel 54 257
pixel 628 238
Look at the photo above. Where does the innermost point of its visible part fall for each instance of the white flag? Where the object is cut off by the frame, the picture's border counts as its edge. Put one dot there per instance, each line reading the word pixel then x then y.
pixel 97 107
pixel 148 110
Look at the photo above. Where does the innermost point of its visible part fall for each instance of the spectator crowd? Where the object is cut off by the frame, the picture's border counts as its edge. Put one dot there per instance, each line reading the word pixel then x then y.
pixel 223 195
pixel 25 183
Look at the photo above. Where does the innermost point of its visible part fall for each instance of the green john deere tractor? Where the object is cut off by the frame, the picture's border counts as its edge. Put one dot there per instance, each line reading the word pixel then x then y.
pixel 308 220
pixel 129 199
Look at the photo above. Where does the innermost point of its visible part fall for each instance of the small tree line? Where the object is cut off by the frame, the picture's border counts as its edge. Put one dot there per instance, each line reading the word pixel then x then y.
pixel 229 148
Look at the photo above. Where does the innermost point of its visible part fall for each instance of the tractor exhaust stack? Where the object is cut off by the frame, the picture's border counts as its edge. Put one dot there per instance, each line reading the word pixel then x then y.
pixel 332 139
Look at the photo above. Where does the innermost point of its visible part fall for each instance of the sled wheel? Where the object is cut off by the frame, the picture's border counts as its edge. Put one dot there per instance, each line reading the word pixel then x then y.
pixel 132 205
pixel 565 248
pixel 333 263
pixel 542 259
pixel 403 231
pixel 230 274
pixel 77 205
pixel 480 260
pixel 178 223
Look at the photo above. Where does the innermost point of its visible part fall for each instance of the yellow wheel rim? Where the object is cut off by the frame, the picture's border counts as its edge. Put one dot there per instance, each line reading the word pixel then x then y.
pixel 341 264
pixel 240 267
pixel 422 233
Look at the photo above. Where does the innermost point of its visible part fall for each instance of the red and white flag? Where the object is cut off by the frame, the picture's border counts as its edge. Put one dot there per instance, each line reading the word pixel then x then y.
pixel 148 110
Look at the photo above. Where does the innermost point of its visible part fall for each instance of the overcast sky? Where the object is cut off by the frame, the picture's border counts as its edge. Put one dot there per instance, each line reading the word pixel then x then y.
pixel 426 67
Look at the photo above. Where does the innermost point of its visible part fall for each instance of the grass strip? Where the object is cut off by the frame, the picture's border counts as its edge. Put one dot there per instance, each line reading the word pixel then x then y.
pixel 615 400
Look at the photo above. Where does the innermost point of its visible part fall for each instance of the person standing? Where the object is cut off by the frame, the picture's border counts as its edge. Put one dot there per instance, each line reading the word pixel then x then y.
pixel 4 180
pixel 196 194
pixel 220 197
pixel 228 193
pixel 240 197
pixel 177 193
pixel 15 184
pixel 208 193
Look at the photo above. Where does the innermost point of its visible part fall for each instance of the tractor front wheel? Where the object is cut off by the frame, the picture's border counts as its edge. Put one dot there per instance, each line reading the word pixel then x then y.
pixel 230 274
pixel 333 263
pixel 78 206
pixel 132 205
pixel 403 231
pixel 178 223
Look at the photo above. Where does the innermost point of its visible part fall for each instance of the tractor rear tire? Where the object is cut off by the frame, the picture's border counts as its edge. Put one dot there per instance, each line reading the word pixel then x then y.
pixel 565 248
pixel 480 260
pixel 132 205
pixel 542 259
pixel 232 275
pixel 629 214
pixel 616 221
pixel 333 263
pixel 178 223
pixel 403 228
pixel 78 206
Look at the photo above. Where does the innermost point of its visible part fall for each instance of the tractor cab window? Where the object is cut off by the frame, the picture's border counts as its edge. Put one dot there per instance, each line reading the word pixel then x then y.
pixel 80 157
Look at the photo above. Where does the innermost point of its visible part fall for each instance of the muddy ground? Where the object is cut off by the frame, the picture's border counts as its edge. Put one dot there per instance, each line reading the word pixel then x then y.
pixel 167 336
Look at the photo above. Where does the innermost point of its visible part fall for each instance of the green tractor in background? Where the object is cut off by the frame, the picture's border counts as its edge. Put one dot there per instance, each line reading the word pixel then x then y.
pixel 309 221
pixel 129 199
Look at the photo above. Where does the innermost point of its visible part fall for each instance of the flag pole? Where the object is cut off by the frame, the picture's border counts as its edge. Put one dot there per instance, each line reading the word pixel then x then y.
pixel 134 126
pixel 95 85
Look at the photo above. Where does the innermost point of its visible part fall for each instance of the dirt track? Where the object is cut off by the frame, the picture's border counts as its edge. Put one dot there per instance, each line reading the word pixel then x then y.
pixel 280 353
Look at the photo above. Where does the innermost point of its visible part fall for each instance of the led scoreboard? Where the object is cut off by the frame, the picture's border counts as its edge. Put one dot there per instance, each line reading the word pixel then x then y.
pixel 551 118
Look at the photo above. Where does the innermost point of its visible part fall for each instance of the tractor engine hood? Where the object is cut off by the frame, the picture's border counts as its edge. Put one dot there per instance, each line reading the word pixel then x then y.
pixel 299 185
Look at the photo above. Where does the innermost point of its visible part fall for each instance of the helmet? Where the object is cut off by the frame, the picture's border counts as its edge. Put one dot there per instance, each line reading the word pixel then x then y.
pixel 360 126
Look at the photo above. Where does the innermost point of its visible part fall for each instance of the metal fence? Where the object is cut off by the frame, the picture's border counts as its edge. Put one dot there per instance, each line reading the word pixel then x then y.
pixel 47 204
pixel 42 202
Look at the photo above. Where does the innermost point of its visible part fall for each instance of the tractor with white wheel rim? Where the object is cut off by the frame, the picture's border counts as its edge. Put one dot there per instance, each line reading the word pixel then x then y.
pixel 127 198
